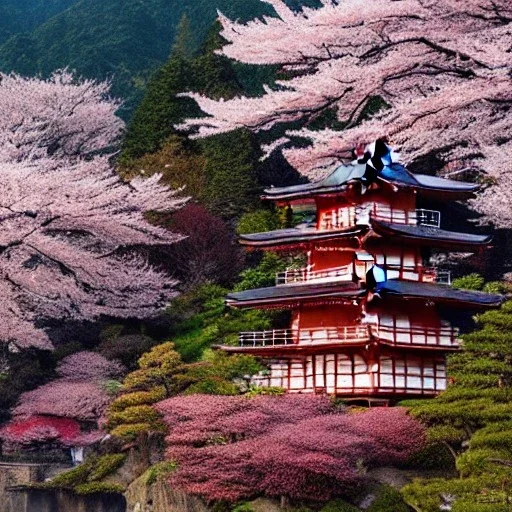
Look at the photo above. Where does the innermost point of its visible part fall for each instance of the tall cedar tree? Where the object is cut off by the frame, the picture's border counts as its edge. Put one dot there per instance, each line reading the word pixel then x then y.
pixel 219 172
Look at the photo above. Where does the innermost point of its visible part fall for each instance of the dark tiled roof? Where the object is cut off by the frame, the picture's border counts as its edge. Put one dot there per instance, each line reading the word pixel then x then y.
pixel 395 173
pixel 429 234
pixel 281 236
pixel 337 180
pixel 282 294
pixel 439 293
pixel 434 182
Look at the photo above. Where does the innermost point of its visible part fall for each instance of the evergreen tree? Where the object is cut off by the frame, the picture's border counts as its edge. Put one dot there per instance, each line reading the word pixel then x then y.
pixel 219 172
pixel 473 419
pixel 184 43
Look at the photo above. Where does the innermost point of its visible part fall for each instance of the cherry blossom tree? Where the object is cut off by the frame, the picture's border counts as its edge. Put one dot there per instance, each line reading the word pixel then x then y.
pixel 70 229
pixel 68 411
pixel 230 448
pixel 443 69
pixel 61 117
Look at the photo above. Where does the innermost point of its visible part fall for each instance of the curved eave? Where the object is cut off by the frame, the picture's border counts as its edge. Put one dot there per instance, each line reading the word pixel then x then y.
pixel 296 236
pixel 291 295
pixel 440 294
pixel 283 195
pixel 430 236
pixel 439 188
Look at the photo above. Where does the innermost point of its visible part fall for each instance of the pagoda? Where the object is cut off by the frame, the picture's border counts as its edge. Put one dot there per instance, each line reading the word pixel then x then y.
pixel 369 315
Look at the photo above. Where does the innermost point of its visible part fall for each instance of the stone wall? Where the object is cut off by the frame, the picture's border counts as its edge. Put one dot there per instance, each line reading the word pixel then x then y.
pixel 58 500
pixel 16 474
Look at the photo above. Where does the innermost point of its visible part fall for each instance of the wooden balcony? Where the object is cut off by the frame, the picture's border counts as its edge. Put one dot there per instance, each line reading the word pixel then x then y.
pixel 427 337
pixel 418 273
pixel 346 273
pixel 418 217
pixel 301 275
pixel 320 336
pixel 419 337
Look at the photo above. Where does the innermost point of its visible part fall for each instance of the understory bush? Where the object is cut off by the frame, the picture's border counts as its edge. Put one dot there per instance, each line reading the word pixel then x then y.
pixel 298 446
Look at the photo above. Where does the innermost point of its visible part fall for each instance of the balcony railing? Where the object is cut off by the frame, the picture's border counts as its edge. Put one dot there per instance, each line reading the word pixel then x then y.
pixel 300 275
pixel 267 338
pixel 280 337
pixel 427 336
pixel 419 217
pixel 425 274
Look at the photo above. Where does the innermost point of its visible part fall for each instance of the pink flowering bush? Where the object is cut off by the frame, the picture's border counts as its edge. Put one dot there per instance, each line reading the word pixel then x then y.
pixel 85 366
pixel 229 448
pixel 65 412
pixel 39 430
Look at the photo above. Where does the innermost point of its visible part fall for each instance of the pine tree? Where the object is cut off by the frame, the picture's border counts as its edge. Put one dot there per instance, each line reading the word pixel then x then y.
pixel 219 172
pixel 473 420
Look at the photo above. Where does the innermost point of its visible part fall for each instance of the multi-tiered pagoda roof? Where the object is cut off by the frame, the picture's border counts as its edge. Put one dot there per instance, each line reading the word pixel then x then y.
pixel 368 311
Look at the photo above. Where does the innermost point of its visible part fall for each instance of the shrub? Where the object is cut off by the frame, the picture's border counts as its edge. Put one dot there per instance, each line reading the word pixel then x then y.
pixel 131 431
pixel 138 398
pixel 469 282
pixel 134 414
pixel 258 221
pixel 303 447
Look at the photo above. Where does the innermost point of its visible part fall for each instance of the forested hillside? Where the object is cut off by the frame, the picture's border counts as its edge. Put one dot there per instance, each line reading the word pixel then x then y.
pixel 25 15
pixel 122 39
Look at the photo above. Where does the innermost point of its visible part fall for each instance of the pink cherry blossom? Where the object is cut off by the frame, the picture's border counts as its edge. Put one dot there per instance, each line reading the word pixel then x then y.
pixel 443 69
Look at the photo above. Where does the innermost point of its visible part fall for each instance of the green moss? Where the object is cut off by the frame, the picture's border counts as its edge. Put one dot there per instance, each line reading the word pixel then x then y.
pixel 91 471
pixel 106 465
pixel 158 471
pixel 388 500
pixel 99 487
pixel 72 477
pixel 339 506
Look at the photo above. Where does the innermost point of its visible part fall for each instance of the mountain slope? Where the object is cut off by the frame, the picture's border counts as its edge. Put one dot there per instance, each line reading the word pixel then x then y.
pixel 123 39
pixel 25 15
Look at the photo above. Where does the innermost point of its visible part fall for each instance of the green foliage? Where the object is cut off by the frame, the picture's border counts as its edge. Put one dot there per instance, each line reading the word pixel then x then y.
pixel 138 398
pixel 131 413
pixel 388 500
pixel 159 471
pixel 99 488
pixel 231 160
pixel 88 476
pixel 496 287
pixel 473 418
pixel 258 221
pixel 212 324
pixel 72 477
pixel 106 465
pixel 469 282
pixel 264 274
pixel 131 431
pixel 134 414
pixel 338 506
pixel 123 39
pixel 271 390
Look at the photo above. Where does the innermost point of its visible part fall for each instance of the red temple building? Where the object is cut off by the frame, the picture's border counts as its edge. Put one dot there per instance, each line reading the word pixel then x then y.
pixel 349 335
